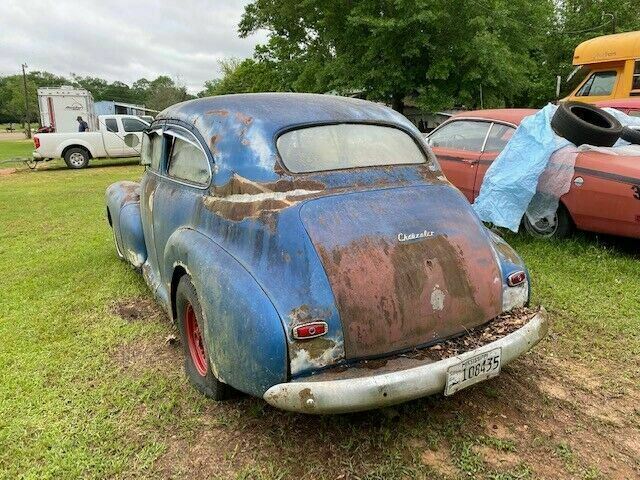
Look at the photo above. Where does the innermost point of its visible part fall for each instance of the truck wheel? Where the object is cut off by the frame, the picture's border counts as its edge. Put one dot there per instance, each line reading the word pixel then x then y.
pixel 584 124
pixel 76 158
pixel 631 135
pixel 560 226
pixel 196 358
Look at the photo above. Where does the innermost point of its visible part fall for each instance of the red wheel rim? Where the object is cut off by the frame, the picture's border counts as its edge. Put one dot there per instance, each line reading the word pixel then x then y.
pixel 195 340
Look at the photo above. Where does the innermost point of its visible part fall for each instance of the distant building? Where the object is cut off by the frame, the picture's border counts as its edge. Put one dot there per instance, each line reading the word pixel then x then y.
pixel 110 107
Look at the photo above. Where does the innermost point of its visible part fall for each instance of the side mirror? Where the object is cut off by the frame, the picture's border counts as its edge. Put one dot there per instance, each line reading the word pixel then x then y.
pixel 145 154
pixel 131 140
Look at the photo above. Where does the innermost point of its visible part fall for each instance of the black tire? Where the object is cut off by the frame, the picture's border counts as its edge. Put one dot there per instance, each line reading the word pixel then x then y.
pixel 584 124
pixel 562 226
pixel 76 158
pixel 205 382
pixel 631 135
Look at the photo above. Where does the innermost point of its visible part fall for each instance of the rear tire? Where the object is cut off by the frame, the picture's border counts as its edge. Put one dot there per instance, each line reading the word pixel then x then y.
pixel 585 124
pixel 196 357
pixel 76 158
pixel 631 135
pixel 560 227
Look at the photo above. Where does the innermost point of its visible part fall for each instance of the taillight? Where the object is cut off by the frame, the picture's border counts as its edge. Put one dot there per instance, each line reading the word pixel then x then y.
pixel 516 279
pixel 36 142
pixel 309 330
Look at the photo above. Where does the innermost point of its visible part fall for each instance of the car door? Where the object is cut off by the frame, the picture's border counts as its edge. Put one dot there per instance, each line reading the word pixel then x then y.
pixel 457 144
pixel 112 136
pixel 153 153
pixel 498 137
pixel 132 126
pixel 180 190
pixel 605 194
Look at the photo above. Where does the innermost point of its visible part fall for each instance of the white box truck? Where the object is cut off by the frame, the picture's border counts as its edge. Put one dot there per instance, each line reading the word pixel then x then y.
pixel 59 108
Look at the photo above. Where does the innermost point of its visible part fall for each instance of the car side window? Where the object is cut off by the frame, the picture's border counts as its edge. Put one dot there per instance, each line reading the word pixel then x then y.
pixel 151 153
pixel 133 125
pixel 599 83
pixel 111 124
pixel 187 160
pixel 499 136
pixel 461 135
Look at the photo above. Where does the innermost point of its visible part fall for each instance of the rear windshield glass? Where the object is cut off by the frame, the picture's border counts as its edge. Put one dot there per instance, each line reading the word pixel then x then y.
pixel 332 147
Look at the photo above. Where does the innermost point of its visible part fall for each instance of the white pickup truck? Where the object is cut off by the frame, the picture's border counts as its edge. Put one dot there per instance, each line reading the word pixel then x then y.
pixel 117 136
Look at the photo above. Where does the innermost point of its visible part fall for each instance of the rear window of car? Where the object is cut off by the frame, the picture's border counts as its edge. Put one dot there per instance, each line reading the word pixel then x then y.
pixel 334 147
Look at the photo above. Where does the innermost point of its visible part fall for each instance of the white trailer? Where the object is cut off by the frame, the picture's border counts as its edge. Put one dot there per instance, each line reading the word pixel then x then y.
pixel 59 108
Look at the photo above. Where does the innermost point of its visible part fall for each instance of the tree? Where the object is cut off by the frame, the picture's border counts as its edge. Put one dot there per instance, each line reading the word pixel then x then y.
pixel 438 51
pixel 163 92
pixel 245 76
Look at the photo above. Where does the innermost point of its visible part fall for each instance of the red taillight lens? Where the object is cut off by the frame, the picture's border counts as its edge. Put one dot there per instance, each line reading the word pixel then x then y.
pixel 309 330
pixel 36 142
pixel 516 279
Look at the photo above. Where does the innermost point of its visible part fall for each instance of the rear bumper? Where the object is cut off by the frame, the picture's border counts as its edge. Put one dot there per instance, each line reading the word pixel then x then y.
pixel 375 391
pixel 36 155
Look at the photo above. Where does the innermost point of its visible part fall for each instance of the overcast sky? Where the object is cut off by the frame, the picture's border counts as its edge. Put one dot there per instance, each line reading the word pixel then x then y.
pixel 123 40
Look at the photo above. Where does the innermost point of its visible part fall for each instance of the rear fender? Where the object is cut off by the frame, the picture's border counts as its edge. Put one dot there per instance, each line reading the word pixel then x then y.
pixel 244 333
pixel 510 262
pixel 123 208
pixel 65 145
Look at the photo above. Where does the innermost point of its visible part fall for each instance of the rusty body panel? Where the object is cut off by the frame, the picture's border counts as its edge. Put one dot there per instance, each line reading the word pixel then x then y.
pixel 392 293
pixel 269 250
pixel 605 191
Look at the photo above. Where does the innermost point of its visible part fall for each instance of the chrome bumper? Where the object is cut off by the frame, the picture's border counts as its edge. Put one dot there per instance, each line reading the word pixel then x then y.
pixel 375 391
pixel 36 155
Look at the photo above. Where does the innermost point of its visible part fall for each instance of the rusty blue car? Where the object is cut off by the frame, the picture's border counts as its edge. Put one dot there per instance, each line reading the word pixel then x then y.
pixel 311 252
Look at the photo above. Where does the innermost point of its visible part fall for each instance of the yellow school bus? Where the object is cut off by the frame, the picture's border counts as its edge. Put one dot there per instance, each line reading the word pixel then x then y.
pixel 613 65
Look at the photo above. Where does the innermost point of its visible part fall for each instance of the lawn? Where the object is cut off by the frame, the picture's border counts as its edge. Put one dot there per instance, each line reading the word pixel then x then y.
pixel 92 384
pixel 14 152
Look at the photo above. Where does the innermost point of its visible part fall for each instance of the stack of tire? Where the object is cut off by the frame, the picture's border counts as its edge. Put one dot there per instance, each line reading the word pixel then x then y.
pixel 582 123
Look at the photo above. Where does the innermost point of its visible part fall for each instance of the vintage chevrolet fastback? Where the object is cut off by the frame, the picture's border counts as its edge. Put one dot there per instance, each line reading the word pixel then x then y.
pixel 310 251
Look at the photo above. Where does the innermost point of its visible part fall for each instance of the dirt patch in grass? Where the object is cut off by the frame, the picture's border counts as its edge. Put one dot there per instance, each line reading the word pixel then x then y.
pixel 7 171
pixel 148 354
pixel 512 425
pixel 136 309
pixel 440 462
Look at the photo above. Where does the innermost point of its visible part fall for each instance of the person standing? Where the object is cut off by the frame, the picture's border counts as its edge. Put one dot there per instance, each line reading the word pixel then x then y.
pixel 82 125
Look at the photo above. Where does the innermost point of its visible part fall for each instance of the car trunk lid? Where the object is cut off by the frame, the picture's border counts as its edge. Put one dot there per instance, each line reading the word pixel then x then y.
pixel 407 266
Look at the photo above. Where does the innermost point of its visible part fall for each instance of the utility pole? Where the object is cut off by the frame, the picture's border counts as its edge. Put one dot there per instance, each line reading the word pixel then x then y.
pixel 26 100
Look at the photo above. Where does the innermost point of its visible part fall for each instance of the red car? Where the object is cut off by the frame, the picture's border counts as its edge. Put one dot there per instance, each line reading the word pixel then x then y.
pixel 604 195
pixel 630 106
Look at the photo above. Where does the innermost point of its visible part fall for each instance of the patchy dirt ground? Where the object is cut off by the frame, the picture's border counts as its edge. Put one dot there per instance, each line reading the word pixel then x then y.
pixel 544 417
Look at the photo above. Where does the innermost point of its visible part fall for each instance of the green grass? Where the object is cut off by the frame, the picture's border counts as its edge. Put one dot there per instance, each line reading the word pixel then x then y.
pixel 14 152
pixel 70 409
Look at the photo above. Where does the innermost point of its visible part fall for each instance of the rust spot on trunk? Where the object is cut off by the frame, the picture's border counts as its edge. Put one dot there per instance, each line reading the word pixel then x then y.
pixel 394 295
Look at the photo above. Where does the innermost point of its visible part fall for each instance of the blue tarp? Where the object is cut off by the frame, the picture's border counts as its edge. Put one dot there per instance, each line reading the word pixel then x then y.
pixel 512 179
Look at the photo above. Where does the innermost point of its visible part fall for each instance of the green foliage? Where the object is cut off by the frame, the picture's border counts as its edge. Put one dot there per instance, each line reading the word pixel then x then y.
pixel 247 76
pixel 440 51
pixel 156 94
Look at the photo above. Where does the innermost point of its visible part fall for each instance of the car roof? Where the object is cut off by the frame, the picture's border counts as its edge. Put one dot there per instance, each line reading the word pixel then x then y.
pixel 275 111
pixel 509 115
pixel 241 129
pixel 620 103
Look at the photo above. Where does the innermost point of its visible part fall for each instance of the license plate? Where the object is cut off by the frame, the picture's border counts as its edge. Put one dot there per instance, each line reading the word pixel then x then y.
pixel 473 370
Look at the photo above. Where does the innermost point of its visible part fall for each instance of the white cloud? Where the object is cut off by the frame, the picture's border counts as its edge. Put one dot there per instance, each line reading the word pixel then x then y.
pixel 123 40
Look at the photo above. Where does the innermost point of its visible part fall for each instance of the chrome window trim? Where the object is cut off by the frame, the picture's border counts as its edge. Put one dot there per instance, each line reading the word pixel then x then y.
pixel 167 131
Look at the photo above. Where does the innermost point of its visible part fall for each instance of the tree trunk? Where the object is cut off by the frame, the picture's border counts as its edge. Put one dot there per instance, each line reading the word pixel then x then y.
pixel 397 102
